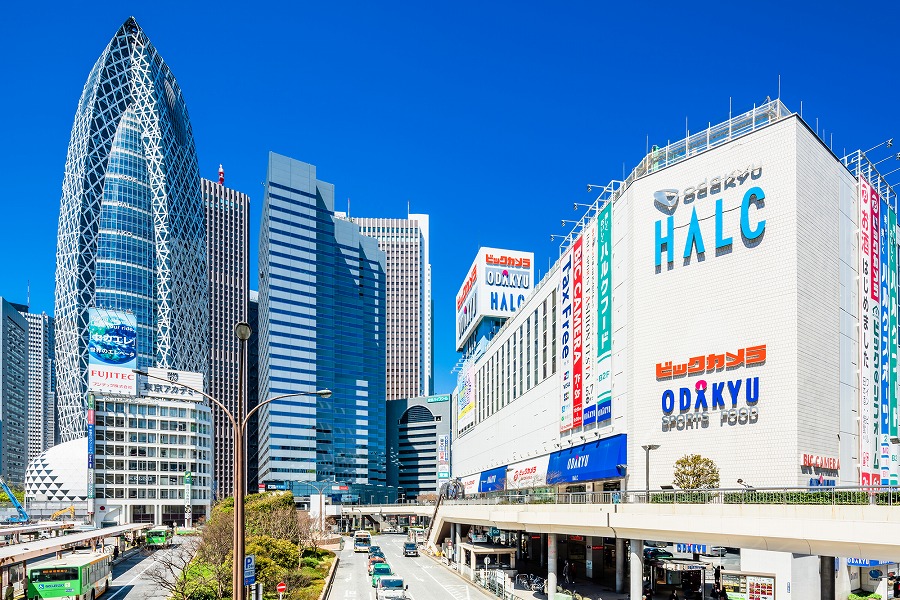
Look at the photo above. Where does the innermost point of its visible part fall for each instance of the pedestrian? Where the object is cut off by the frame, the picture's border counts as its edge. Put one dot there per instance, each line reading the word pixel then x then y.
pixel 115 552
pixel 723 593
pixel 566 572
pixel 674 595
pixel 572 572
pixel 10 594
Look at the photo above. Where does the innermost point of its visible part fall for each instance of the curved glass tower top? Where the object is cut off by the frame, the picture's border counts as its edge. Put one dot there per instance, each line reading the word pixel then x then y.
pixel 131 222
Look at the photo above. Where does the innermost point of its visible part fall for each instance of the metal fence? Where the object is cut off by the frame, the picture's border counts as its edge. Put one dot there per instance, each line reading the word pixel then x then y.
pixel 881 496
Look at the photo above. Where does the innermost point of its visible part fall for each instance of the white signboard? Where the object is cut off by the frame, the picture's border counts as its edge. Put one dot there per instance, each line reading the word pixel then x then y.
pixel 528 474
pixel 470 484
pixel 567 387
pixel 178 385
pixel 496 285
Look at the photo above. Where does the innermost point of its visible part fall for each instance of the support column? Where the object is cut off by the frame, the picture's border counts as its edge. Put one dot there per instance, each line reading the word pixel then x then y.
pixel 826 577
pixel 456 541
pixel 636 572
pixel 543 549
pixel 551 565
pixel 620 565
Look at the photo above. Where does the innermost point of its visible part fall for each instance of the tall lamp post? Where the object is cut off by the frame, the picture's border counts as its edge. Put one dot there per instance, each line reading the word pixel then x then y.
pixel 321 507
pixel 647 450
pixel 239 425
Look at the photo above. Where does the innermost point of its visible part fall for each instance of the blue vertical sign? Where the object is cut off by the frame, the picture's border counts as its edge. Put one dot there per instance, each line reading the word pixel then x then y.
pixel 250 570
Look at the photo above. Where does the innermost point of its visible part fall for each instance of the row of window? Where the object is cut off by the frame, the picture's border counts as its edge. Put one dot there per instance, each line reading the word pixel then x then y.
pixel 527 357
pixel 150 494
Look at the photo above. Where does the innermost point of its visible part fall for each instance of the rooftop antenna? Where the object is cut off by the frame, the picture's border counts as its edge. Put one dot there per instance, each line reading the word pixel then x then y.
pixel 407 209
pixel 221 175
pixel 28 294
pixel 348 207
pixel 779 86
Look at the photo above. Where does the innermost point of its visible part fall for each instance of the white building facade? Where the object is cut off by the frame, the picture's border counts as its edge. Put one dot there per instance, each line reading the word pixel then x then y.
pixel 41 383
pixel 710 304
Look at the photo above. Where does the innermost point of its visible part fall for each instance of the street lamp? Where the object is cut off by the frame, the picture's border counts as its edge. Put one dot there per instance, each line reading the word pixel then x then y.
pixel 321 502
pixel 239 425
pixel 647 450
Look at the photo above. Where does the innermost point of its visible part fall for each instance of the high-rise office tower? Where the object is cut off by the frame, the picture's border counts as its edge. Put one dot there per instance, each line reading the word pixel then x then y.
pixel 408 336
pixel 41 382
pixel 228 238
pixel 131 227
pixel 253 392
pixel 322 324
pixel 13 394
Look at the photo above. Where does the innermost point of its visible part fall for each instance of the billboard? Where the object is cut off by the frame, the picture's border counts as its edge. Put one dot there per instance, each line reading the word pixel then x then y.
pixel 603 384
pixel 496 285
pixel 443 454
pixel 112 352
pixel 465 400
pixel 168 383
pixel 528 474
pixel 867 360
pixel 589 314
pixel 566 390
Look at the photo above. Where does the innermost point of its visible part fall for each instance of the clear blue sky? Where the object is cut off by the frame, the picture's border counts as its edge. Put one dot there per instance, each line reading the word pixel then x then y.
pixel 491 117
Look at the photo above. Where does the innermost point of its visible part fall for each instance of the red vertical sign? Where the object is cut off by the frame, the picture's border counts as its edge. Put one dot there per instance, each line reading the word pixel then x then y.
pixel 577 331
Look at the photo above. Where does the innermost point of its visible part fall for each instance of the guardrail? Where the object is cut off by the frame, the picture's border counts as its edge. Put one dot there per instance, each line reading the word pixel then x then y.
pixel 881 496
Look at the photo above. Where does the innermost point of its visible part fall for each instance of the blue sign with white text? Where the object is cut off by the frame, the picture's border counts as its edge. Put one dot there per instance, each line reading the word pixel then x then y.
pixel 602 459
pixel 493 480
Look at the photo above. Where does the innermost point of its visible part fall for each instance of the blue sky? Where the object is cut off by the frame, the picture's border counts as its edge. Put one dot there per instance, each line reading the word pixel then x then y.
pixel 491 117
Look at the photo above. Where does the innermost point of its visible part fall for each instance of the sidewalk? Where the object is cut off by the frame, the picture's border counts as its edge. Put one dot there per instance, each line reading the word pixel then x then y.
pixel 588 590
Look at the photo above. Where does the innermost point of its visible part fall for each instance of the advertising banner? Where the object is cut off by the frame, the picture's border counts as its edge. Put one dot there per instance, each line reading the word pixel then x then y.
pixel 177 385
pixel 493 480
pixel 470 484
pixel 895 382
pixel 565 342
pixel 866 359
pixel 603 379
pixel 875 317
pixel 589 462
pixel 528 473
pixel 112 352
pixel 884 350
pixel 443 463
pixel 577 331
pixel 91 439
pixel 465 400
pixel 589 314
pixel 496 285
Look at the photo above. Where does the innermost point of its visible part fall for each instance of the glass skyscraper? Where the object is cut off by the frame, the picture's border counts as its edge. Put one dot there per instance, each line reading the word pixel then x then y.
pixel 322 325
pixel 131 222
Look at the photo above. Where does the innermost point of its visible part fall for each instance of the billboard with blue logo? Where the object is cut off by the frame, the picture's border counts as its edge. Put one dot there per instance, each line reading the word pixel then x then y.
pixel 603 459
pixel 112 352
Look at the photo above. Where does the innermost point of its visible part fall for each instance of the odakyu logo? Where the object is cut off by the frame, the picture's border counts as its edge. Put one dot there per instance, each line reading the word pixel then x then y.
pixel 578 461
pixel 752 227
pixel 722 397
pixel 518 278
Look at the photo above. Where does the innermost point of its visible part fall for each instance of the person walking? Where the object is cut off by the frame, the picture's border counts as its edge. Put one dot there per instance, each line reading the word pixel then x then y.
pixel 566 572
pixel 572 570
pixel 674 595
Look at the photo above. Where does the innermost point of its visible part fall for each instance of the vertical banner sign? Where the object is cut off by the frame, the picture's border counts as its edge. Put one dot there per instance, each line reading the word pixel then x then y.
pixel 91 440
pixel 112 352
pixel 565 342
pixel 577 332
pixel 866 443
pixel 589 337
pixel 884 456
pixel 875 324
pixel 604 310
pixel 892 284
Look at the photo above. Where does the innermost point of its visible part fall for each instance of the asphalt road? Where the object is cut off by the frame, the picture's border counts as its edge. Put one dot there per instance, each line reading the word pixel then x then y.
pixel 129 583
pixel 426 579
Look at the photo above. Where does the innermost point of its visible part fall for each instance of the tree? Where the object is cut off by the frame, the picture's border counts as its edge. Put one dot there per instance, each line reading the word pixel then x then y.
pixel 308 531
pixel 215 552
pixel 171 570
pixel 694 472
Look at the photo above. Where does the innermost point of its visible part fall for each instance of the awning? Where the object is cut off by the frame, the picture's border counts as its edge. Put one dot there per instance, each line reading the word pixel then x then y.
pixel 595 460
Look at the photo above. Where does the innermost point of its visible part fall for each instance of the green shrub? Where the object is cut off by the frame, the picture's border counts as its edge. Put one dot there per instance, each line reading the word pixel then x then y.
pixel 864 596
pixel 310 561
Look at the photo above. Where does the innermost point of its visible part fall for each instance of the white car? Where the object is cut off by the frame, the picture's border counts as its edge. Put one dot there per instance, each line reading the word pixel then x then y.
pixel 391 588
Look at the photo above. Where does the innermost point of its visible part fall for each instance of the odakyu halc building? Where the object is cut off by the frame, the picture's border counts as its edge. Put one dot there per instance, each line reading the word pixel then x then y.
pixel 735 297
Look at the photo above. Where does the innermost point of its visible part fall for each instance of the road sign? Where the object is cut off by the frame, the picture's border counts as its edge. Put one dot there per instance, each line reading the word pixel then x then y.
pixel 249 570
pixel 281 587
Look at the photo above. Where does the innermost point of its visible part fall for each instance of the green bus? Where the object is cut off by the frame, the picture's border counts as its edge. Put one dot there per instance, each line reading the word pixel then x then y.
pixel 158 537
pixel 78 576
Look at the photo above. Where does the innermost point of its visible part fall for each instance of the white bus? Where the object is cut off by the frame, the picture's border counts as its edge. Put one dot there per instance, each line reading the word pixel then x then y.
pixel 362 540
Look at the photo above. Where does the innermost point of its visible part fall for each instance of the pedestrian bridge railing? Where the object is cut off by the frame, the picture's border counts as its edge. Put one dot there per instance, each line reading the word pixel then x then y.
pixel 881 496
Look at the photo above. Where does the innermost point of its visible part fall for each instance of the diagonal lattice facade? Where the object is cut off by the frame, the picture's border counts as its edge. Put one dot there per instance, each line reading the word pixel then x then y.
pixel 131 223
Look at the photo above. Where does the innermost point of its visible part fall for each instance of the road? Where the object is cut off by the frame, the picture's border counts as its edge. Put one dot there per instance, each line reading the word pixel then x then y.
pixel 129 583
pixel 426 579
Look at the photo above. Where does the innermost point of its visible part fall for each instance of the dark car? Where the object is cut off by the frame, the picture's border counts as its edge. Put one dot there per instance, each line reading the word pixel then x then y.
pixel 656 554
pixel 375 550
pixel 410 549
